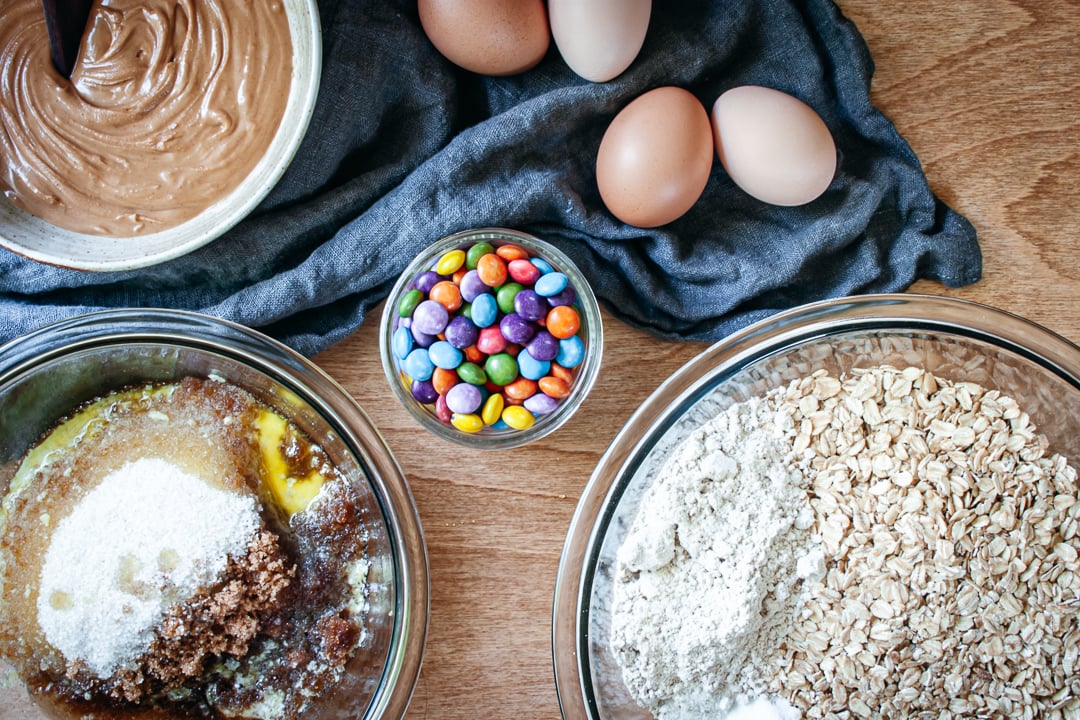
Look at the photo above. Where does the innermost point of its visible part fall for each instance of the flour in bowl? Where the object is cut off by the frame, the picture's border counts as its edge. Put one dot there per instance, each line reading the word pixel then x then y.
pixel 711 572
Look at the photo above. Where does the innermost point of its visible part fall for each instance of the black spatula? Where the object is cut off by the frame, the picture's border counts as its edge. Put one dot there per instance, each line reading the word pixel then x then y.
pixel 66 21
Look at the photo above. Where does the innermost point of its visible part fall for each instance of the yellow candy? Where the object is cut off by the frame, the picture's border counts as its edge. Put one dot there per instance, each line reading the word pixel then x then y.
pixel 450 263
pixel 469 423
pixel 518 417
pixel 493 408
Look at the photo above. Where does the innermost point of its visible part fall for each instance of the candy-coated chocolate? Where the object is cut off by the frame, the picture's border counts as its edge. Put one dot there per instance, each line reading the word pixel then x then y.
pixel 567 297
pixel 430 318
pixel 461 332
pixel 501 368
pixel 450 262
pixel 491 413
pixel 477 251
pixel 426 280
pixel 551 283
pixel 530 306
pixel 469 423
pixel 424 391
pixel 542 265
pixel 554 386
pixel 417 365
pixel 532 368
pixel 571 352
pixel 445 355
pixel 485 311
pixel 472 373
pixel 401 343
pixel 464 398
pixel 510 252
pixel 543 346
pixel 492 270
pixel 491 340
pixel 518 417
pixel 522 271
pixel 521 388
pixel 473 354
pixel 409 301
pixel 421 339
pixel 505 295
pixel 516 329
pixel 563 321
pixel 446 294
pixel 472 286
pixel 442 380
pixel 541 404
pixel 441 410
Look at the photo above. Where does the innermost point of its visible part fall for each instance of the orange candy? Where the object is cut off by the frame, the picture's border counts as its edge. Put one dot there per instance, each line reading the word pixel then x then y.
pixel 511 252
pixel 443 380
pixel 520 389
pixel 554 387
pixel 460 273
pixel 474 355
pixel 564 374
pixel 563 322
pixel 446 294
pixel 492 270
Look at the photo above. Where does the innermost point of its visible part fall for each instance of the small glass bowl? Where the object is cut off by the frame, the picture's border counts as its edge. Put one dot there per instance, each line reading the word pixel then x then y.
pixel 953 339
pixel 499 435
pixel 48 373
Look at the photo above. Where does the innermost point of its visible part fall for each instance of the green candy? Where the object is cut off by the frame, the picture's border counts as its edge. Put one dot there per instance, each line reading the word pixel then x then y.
pixel 409 301
pixel 504 296
pixel 477 251
pixel 501 368
pixel 472 373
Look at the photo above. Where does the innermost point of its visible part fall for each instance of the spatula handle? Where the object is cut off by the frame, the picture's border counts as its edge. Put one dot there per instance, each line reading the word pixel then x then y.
pixel 66 22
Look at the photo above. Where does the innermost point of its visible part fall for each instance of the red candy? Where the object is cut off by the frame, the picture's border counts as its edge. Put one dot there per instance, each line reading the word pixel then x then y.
pixel 523 271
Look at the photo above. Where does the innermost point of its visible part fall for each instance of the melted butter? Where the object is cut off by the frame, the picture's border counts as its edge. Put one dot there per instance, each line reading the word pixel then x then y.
pixel 292 494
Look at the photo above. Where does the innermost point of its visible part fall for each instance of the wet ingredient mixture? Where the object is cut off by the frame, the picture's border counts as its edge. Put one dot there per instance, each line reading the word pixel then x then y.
pixel 180 550
pixel 171 104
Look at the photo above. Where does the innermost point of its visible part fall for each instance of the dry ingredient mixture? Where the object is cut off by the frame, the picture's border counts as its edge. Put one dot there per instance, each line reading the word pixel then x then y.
pixel 171 104
pixel 180 550
pixel 936 576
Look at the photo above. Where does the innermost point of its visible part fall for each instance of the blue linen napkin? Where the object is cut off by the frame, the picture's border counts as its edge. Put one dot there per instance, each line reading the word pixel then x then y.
pixel 405 148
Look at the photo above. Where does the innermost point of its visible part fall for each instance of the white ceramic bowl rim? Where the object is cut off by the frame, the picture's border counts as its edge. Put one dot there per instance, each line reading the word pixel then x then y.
pixel 34 238
pixel 677 394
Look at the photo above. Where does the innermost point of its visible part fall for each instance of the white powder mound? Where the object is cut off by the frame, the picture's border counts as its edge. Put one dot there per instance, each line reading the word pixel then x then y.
pixel 147 537
pixel 711 571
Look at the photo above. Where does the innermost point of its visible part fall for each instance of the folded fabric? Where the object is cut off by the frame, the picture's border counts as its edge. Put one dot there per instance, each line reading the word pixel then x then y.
pixel 405 148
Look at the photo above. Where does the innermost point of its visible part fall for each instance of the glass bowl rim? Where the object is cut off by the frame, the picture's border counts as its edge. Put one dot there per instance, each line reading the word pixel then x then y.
pixel 883 312
pixel 282 364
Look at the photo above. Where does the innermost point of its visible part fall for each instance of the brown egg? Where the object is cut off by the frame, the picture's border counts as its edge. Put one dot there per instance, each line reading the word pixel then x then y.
pixel 490 37
pixel 655 157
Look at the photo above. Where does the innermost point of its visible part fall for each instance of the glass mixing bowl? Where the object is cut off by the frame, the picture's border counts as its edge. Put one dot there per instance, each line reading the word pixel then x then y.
pixel 953 339
pixel 48 373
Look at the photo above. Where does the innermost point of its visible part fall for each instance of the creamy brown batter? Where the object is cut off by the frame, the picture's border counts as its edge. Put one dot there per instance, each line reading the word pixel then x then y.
pixel 170 106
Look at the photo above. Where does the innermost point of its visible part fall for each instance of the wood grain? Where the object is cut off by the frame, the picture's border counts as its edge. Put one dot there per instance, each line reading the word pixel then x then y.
pixel 985 91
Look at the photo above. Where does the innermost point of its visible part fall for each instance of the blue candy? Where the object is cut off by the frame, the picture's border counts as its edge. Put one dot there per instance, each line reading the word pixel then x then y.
pixel 445 355
pixel 542 265
pixel 531 368
pixel 485 310
pixel 550 284
pixel 418 365
pixel 402 343
pixel 571 352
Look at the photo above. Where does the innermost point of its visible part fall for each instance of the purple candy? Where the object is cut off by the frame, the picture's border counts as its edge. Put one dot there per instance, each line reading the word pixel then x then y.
pixel 424 391
pixel 541 404
pixel 461 332
pixel 430 317
pixel 543 346
pixel 424 340
pixel 463 398
pixel 426 280
pixel 472 286
pixel 516 329
pixel 566 297
pixel 529 305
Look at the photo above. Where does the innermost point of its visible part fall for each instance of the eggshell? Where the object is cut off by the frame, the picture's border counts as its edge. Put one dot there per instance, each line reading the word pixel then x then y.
pixel 599 39
pixel 774 146
pixel 655 157
pixel 490 37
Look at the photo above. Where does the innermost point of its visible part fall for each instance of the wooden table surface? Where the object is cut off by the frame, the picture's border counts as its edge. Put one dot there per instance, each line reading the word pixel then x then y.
pixel 987 92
